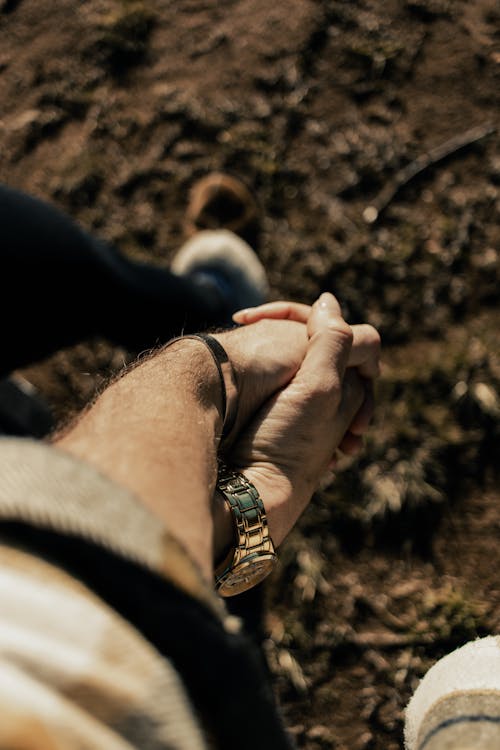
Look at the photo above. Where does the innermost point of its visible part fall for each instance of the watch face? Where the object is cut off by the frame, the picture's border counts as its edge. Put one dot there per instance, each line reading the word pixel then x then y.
pixel 246 575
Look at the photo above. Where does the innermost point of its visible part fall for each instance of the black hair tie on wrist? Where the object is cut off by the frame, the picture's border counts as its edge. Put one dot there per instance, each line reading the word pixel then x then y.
pixel 227 379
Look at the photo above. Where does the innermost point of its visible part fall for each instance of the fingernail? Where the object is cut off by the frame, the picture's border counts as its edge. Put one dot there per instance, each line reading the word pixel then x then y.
pixel 325 300
pixel 242 313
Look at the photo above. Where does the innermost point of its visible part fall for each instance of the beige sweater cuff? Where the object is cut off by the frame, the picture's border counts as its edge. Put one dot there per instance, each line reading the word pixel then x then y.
pixel 47 488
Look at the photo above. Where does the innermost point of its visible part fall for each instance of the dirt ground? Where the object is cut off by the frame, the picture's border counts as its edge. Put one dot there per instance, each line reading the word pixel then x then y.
pixel 368 131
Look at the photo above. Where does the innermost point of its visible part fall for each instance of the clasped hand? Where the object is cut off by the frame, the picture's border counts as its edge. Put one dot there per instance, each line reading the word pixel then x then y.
pixel 303 398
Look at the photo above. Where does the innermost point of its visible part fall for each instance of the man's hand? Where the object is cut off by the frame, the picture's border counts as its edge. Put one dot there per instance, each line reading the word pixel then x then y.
pixel 364 356
pixel 265 357
pixel 292 440
pixel 268 349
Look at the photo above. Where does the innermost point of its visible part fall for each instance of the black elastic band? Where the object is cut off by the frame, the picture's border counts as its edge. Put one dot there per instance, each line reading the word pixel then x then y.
pixel 229 390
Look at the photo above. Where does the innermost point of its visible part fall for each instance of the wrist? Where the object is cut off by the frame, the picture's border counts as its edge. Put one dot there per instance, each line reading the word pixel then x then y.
pixel 191 365
pixel 251 555
pixel 284 497
pixel 227 381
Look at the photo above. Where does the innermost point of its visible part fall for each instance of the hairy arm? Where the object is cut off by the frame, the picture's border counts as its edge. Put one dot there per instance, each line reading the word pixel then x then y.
pixel 155 431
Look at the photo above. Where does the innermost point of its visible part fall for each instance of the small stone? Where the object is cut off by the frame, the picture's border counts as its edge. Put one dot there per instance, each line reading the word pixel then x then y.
pixel 370 214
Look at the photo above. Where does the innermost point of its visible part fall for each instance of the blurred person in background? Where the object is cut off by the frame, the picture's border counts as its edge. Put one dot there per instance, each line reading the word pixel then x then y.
pixel 61 285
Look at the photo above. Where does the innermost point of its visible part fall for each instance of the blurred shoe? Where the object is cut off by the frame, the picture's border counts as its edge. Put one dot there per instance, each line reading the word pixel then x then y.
pixel 457 704
pixel 220 201
pixel 226 270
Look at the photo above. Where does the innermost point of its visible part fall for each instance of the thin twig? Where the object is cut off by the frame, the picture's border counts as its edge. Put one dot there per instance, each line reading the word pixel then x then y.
pixel 419 165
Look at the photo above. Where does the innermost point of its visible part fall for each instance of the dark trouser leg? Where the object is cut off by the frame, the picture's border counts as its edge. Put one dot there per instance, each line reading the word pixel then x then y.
pixel 59 285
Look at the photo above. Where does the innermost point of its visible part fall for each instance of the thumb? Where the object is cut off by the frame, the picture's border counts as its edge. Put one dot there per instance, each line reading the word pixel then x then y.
pixel 330 342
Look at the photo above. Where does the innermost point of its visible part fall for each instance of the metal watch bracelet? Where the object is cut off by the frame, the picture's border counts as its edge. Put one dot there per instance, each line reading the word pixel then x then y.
pixel 253 556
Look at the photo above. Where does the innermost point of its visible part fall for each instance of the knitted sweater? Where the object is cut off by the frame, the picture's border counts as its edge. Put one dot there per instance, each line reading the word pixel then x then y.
pixel 109 637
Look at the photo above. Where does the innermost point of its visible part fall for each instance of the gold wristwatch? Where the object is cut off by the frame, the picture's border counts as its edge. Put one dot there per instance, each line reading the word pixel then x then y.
pixel 253 556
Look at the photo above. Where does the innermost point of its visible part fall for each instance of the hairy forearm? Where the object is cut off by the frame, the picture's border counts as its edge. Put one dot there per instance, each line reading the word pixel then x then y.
pixel 155 431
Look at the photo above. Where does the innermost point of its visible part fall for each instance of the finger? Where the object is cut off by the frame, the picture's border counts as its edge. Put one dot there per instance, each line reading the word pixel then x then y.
pixel 326 480
pixel 352 400
pixel 351 444
pixel 365 352
pixel 330 341
pixel 333 462
pixel 281 310
pixel 363 418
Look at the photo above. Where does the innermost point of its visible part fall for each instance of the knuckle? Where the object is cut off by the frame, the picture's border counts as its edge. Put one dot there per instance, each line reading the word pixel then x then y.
pixel 343 330
pixel 340 332
pixel 371 336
